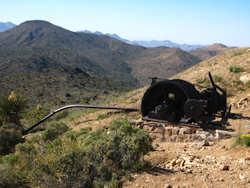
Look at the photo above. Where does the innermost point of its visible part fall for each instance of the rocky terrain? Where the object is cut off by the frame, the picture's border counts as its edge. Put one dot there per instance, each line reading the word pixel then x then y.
pixel 191 157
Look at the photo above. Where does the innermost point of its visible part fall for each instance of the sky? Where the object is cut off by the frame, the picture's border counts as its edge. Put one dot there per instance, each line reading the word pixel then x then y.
pixel 181 21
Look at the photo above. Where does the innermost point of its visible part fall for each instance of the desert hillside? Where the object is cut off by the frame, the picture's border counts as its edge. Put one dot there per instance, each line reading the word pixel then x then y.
pixel 188 162
pixel 116 148
pixel 209 51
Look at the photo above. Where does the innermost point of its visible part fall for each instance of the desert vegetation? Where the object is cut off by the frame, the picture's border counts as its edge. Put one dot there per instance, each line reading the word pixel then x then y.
pixel 61 157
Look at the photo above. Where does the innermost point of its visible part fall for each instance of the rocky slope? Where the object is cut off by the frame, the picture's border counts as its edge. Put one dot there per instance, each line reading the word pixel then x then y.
pixel 185 157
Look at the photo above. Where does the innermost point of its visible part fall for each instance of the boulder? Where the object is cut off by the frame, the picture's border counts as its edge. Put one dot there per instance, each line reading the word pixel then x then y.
pixel 245 78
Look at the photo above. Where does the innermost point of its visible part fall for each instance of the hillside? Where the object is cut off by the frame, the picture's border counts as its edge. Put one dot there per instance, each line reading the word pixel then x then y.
pixel 160 62
pixel 228 68
pixel 44 62
pixel 190 163
pixel 209 51
pixel 182 156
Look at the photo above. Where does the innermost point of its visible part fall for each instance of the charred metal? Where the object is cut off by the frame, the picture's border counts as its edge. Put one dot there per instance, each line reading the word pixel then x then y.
pixel 175 101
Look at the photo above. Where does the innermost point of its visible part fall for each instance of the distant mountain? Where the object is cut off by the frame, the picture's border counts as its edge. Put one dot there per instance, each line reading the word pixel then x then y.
pixel 150 44
pixel 168 43
pixel 50 64
pixel 209 51
pixel 6 25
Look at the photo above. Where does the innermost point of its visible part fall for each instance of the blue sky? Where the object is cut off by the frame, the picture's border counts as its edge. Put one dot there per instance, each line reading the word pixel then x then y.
pixel 182 21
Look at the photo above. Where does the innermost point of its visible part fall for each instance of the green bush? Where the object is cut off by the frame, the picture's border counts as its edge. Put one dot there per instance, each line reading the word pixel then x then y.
pixel 8 139
pixel 243 139
pixel 61 115
pixel 12 108
pixel 37 113
pixel 95 159
pixel 217 78
pixel 54 130
pixel 103 116
pixel 9 178
pixel 235 69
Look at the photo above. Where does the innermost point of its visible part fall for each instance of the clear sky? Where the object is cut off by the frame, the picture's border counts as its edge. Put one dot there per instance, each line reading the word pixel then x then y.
pixel 181 21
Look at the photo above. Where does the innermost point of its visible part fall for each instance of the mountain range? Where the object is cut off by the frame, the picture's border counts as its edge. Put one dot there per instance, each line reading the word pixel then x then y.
pixel 153 43
pixel 6 25
pixel 150 44
pixel 49 63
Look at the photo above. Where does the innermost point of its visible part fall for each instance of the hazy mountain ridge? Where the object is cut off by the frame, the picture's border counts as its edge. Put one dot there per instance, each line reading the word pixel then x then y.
pixel 150 44
pixel 4 26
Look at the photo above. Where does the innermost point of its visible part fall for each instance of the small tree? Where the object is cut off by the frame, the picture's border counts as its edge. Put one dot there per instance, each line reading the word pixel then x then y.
pixel 11 108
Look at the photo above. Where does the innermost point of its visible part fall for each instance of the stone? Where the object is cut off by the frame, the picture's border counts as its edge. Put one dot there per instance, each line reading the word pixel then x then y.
pixel 168 186
pixel 245 78
pixel 135 121
pixel 225 167
pixel 221 179
pixel 184 131
pixel 202 134
pixel 175 130
pixel 204 143
pixel 211 138
pixel 220 134
pixel 242 177
pixel 247 158
pixel 168 131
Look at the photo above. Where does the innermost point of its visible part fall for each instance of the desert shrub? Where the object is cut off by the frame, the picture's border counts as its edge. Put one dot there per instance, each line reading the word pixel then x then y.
pixel 235 69
pixel 12 108
pixel 54 130
pixel 8 139
pixel 248 84
pixel 35 139
pixel 243 139
pixel 124 145
pixel 9 177
pixel 96 159
pixel 37 113
pixel 238 53
pixel 85 100
pixel 61 115
pixel 73 135
pixel 217 78
pixel 103 116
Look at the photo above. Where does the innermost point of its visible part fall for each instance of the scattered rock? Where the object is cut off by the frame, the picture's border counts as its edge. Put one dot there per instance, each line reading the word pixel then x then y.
pixel 223 147
pixel 168 131
pixel 185 131
pixel 245 78
pixel 221 179
pixel 204 143
pixel 247 158
pixel 168 186
pixel 242 177
pixel 243 102
pixel 202 134
pixel 175 130
pixel 135 121
pixel 220 134
pixel 225 167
